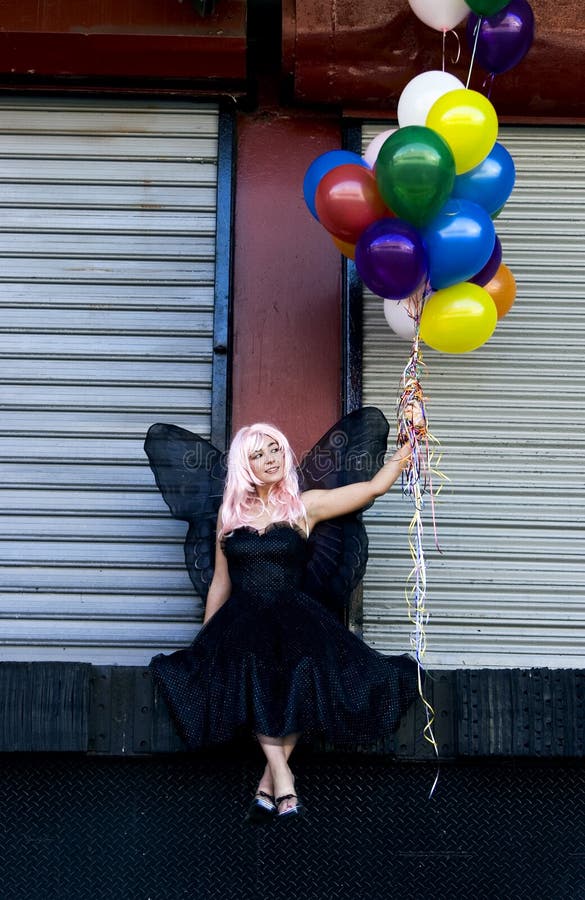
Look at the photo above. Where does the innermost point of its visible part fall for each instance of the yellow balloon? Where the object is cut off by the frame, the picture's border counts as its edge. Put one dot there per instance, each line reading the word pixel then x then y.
pixel 458 319
pixel 468 122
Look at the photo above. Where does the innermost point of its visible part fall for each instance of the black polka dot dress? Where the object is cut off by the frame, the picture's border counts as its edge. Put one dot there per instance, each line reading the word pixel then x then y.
pixel 273 660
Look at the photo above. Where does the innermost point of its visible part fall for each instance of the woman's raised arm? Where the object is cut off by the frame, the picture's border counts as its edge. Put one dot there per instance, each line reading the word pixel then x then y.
pixel 339 501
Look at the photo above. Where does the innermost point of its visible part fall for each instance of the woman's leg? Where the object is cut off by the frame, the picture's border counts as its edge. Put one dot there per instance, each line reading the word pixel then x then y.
pixel 277 778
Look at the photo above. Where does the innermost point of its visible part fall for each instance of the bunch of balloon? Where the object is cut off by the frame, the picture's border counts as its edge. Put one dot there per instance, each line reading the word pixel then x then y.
pixel 417 211
pixel 457 317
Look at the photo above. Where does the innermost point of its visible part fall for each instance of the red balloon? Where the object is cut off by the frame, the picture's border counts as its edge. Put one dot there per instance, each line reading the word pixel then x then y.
pixel 347 201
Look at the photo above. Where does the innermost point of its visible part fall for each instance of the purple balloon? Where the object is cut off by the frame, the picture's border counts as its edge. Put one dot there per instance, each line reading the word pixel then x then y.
pixel 391 258
pixel 504 39
pixel 491 267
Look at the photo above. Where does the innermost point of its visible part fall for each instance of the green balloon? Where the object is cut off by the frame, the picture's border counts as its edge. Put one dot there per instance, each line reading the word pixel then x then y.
pixel 486 7
pixel 415 171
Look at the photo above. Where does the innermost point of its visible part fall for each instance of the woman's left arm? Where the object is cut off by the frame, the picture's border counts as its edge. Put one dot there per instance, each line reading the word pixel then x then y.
pixel 339 501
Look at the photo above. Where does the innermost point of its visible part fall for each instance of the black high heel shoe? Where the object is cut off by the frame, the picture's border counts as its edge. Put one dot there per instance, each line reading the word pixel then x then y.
pixel 293 812
pixel 262 809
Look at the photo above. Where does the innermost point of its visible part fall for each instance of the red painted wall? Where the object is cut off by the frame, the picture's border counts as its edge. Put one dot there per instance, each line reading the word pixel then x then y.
pixel 287 277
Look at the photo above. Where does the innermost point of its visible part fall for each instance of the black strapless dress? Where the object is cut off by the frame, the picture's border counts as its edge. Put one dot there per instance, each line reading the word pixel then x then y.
pixel 272 660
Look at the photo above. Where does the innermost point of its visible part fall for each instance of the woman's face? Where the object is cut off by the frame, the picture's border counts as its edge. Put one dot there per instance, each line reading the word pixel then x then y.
pixel 267 463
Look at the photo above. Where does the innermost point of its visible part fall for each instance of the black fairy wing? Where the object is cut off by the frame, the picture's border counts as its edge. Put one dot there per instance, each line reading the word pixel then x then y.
pixel 353 450
pixel 190 474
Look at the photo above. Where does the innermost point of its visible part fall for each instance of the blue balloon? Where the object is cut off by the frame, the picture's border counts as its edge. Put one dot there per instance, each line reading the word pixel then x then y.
pixel 489 184
pixel 459 242
pixel 320 166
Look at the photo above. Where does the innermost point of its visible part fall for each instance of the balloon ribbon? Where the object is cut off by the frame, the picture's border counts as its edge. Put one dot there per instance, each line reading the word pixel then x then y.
pixel 476 32
pixel 417 480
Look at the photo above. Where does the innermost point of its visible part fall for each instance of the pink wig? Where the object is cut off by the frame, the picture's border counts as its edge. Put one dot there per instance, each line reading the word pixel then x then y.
pixel 240 497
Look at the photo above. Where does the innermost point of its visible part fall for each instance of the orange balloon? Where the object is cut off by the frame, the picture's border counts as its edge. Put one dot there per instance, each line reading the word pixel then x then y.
pixel 343 247
pixel 502 290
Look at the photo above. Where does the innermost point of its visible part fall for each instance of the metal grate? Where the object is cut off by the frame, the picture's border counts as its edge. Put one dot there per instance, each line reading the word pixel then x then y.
pixel 73 828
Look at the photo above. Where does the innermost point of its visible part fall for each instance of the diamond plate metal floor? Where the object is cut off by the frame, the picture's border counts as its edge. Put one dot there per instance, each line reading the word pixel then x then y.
pixel 75 827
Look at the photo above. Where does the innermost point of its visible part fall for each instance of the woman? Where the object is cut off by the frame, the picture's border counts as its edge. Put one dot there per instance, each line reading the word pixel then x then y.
pixel 269 655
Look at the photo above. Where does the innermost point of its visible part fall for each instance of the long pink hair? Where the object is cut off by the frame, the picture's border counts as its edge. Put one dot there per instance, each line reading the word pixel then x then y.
pixel 240 500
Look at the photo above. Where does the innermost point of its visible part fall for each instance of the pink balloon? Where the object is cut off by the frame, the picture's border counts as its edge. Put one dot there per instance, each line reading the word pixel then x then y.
pixel 443 15
pixel 373 148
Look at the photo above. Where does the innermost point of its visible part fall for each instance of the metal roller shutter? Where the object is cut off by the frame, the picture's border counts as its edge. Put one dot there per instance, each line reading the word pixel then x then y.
pixel 107 245
pixel 509 589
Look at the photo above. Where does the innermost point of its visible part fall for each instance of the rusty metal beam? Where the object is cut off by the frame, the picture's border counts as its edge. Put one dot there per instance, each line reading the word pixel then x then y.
pixel 155 40
pixel 361 55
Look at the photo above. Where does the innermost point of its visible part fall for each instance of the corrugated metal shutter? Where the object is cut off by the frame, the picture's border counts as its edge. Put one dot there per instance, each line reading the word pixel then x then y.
pixel 107 243
pixel 510 587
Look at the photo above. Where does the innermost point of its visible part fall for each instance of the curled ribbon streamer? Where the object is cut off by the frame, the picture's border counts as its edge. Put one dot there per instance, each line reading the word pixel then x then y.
pixel 488 83
pixel 417 481
pixel 476 35
pixel 455 59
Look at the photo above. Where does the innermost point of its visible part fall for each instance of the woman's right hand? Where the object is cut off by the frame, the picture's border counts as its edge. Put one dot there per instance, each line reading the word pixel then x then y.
pixel 414 415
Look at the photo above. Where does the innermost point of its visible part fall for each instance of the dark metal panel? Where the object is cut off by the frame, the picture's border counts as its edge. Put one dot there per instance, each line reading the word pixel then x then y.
pixel 124 715
pixel 115 711
pixel 352 337
pixel 222 321
pixel 520 712
pixel 100 710
pixel 410 741
pixel 44 706
pixel 164 737
pixel 127 716
pixel 362 56
pixel 352 315
pixel 143 711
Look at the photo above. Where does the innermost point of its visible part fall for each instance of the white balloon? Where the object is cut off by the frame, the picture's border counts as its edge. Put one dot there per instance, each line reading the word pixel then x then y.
pixel 399 319
pixel 374 147
pixel 421 92
pixel 440 14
